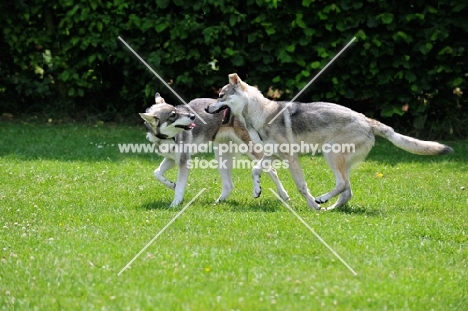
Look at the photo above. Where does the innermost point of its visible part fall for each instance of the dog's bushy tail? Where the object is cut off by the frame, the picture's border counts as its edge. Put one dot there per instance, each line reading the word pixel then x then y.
pixel 407 143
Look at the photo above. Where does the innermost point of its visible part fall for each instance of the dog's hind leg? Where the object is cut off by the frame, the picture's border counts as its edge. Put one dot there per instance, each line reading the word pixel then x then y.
pixel 225 163
pixel 337 163
pixel 345 196
pixel 165 165
pixel 341 165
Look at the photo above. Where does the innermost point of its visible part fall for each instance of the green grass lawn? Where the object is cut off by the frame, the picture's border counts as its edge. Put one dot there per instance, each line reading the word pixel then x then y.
pixel 74 211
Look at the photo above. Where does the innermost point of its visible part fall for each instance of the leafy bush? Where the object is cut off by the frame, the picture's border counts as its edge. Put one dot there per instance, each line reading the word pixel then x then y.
pixel 408 61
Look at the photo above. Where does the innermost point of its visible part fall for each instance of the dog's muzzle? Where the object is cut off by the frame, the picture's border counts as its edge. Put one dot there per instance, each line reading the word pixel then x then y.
pixel 190 126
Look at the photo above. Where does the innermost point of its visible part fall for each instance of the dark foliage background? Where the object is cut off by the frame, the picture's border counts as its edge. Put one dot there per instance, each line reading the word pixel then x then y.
pixel 408 65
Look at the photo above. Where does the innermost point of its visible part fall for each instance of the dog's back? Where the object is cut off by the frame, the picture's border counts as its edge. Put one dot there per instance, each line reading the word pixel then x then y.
pixel 215 129
pixel 202 132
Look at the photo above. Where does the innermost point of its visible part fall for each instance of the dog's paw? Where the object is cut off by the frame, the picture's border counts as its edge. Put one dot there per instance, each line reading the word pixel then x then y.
pixel 330 208
pixel 284 196
pixel 312 204
pixel 220 199
pixel 320 200
pixel 175 203
pixel 257 192
pixel 257 189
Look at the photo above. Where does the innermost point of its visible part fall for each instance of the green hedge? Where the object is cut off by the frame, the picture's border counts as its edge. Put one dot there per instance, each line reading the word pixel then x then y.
pixel 409 58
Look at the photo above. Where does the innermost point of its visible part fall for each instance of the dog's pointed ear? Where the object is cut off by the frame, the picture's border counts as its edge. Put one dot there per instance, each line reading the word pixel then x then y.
pixel 148 117
pixel 158 99
pixel 234 79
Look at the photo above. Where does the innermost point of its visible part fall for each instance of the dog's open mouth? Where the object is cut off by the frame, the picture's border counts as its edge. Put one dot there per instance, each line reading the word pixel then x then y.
pixel 226 115
pixel 186 127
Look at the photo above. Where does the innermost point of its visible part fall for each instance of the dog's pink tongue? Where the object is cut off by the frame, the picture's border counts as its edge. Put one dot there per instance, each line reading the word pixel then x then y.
pixel 225 111
pixel 192 125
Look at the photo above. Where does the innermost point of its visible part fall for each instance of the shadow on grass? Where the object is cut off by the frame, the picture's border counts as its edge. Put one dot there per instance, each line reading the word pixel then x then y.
pixel 265 206
pixel 232 205
pixel 157 205
pixel 252 206
pixel 358 210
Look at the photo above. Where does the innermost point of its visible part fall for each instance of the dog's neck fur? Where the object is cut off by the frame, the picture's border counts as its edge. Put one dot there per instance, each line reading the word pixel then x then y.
pixel 257 105
pixel 162 136
pixel 156 134
pixel 164 147
pixel 158 140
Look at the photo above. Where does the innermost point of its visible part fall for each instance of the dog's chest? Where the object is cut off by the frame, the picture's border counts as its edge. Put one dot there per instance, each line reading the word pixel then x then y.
pixel 166 148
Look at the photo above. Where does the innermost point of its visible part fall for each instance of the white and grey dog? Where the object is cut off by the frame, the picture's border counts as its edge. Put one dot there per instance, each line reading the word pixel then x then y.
pixel 318 123
pixel 170 126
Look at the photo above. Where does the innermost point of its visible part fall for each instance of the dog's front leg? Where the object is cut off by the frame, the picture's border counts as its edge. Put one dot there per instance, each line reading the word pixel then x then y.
pixel 279 186
pixel 299 180
pixel 273 175
pixel 182 178
pixel 257 174
pixel 225 163
pixel 265 165
pixel 165 165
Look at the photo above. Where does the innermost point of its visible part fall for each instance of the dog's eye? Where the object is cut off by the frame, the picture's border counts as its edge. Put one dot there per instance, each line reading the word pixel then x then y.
pixel 173 113
pixel 221 95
